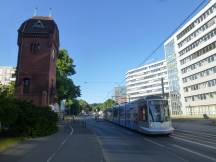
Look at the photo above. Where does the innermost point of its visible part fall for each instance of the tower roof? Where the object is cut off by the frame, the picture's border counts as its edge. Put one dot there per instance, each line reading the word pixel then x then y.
pixel 39 25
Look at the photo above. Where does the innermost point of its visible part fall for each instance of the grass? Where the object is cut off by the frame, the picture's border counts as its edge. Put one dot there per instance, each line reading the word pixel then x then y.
pixel 9 141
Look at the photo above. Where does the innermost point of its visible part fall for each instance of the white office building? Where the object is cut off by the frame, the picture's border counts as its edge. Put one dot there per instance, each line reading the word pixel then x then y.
pixel 147 80
pixel 191 62
pixel 7 74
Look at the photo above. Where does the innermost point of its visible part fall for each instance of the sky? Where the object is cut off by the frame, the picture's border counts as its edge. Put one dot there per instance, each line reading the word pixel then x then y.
pixel 105 38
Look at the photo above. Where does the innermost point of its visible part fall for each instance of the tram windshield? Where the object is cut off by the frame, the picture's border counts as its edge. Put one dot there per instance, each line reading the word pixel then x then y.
pixel 159 110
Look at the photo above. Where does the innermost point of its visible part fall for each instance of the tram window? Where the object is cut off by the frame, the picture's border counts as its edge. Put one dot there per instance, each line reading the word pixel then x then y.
pixel 159 111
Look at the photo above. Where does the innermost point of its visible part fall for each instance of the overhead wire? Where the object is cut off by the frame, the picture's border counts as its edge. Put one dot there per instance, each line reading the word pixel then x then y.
pixel 173 32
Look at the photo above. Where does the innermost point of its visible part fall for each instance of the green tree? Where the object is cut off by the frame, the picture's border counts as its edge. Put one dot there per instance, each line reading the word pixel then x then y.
pixel 74 107
pixel 84 105
pixel 108 103
pixel 66 89
pixel 7 90
pixel 102 106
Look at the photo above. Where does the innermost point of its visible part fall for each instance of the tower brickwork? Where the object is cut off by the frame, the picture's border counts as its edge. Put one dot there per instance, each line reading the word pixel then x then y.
pixel 38 42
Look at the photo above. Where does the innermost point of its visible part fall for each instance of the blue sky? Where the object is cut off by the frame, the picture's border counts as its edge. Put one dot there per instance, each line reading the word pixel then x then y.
pixel 105 38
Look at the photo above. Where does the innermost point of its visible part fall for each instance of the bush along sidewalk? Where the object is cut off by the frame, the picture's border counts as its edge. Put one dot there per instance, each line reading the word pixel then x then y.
pixel 23 119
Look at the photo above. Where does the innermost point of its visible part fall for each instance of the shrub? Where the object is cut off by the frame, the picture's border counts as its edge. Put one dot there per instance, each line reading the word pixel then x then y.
pixel 21 118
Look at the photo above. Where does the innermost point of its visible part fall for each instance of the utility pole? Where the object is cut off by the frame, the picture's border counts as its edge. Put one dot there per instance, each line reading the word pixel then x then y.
pixel 162 86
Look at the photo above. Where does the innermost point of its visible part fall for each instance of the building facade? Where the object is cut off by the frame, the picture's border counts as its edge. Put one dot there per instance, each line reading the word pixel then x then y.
pixel 195 56
pixel 147 80
pixel 38 42
pixel 173 78
pixel 119 94
pixel 7 74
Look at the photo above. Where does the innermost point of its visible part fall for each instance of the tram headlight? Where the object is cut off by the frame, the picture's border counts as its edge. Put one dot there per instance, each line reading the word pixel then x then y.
pixel 151 125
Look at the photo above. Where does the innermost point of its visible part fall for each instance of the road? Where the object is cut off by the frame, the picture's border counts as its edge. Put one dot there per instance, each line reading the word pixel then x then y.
pixel 103 141
pixel 191 144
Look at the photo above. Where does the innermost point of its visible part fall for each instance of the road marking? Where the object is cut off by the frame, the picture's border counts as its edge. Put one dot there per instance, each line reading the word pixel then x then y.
pixel 60 146
pixel 167 148
pixel 197 138
pixel 197 143
pixel 206 134
pixel 156 143
pixel 194 152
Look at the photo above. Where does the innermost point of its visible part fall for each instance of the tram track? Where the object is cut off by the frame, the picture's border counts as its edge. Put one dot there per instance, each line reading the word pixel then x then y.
pixel 206 140
pixel 186 148
pixel 183 145
pixel 201 133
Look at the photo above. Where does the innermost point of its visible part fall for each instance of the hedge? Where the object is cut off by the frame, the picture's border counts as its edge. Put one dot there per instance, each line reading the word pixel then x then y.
pixel 21 118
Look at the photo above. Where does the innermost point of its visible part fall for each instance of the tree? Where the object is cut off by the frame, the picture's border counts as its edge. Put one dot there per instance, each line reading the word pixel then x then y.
pixel 73 107
pixel 102 106
pixel 66 89
pixel 84 105
pixel 108 103
pixel 7 90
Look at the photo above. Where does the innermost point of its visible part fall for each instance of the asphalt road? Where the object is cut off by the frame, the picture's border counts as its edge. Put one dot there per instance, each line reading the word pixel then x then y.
pixel 191 142
pixel 103 141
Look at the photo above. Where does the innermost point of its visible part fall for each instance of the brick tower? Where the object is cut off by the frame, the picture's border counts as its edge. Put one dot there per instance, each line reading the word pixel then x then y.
pixel 38 41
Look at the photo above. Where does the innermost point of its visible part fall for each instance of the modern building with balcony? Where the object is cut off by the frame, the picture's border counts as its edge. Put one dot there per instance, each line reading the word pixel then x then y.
pixel 7 74
pixel 147 80
pixel 191 62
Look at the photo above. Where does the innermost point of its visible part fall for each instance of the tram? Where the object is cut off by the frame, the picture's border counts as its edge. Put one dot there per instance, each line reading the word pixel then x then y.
pixel 149 115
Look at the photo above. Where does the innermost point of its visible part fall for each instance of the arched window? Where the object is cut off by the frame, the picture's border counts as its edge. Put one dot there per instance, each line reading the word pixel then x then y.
pixel 26 85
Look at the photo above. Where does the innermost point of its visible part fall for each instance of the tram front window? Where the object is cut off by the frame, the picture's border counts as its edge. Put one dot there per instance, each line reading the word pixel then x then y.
pixel 159 110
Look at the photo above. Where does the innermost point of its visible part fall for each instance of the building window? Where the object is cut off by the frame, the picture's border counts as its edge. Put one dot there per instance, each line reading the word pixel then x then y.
pixel 26 85
pixel 198 42
pixel 197 21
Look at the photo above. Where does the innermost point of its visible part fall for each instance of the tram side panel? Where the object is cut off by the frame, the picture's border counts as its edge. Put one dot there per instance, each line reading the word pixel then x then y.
pixel 122 115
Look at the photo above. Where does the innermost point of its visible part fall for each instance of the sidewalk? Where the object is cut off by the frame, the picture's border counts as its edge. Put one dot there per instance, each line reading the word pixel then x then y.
pixel 83 146
pixel 73 143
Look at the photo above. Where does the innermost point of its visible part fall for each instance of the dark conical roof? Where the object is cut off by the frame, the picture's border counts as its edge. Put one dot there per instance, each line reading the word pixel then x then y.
pixel 38 24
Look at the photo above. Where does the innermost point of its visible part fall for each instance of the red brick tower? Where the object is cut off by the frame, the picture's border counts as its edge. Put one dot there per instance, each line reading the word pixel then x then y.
pixel 38 41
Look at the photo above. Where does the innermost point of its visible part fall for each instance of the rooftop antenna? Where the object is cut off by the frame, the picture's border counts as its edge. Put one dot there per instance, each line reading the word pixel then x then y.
pixel 50 12
pixel 35 11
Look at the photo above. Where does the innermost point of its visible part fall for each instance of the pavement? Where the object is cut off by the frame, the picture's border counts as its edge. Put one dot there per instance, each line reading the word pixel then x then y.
pixel 73 143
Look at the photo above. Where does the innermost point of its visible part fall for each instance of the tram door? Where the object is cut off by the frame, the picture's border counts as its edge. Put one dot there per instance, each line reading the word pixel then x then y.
pixel 143 115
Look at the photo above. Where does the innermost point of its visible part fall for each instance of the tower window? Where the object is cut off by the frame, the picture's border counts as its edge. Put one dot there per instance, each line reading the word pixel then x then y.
pixel 35 47
pixel 26 85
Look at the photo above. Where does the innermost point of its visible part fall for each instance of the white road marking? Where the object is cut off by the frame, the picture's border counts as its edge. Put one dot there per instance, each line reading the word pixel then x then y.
pixel 60 146
pixel 163 146
pixel 156 143
pixel 197 143
pixel 197 138
pixel 205 134
pixel 194 152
